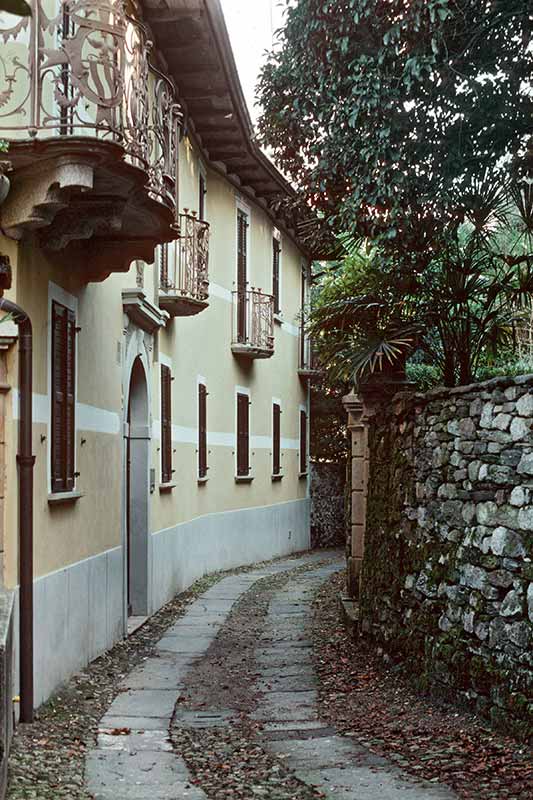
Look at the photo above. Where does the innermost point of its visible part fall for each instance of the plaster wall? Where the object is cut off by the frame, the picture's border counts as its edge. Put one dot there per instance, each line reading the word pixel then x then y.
pixel 195 527
pixel 79 608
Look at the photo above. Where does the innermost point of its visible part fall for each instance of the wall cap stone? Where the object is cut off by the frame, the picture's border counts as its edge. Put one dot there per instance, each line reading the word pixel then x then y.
pixel 401 401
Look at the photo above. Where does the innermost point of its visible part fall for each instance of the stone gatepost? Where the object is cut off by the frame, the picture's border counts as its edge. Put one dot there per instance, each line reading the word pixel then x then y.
pixel 361 408
pixel 359 413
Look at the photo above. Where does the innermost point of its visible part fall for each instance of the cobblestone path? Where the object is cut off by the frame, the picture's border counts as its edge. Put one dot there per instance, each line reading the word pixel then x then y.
pixel 228 707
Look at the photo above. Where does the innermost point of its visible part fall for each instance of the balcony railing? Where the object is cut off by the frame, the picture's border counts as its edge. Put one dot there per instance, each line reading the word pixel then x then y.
pixel 184 269
pixel 308 363
pixel 85 71
pixel 253 323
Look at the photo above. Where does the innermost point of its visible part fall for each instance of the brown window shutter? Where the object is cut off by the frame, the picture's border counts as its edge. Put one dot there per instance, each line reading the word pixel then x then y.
pixel 202 431
pixel 163 266
pixel 303 441
pixel 276 251
pixel 63 369
pixel 303 294
pixel 242 258
pixel 243 435
pixel 58 366
pixel 70 399
pixel 166 425
pixel 276 437
pixel 202 189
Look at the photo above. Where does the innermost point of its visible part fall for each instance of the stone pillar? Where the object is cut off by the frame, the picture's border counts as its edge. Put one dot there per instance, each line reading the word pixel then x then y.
pixel 361 408
pixel 358 419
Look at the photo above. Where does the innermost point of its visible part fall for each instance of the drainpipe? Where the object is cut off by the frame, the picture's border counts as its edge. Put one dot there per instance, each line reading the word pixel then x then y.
pixel 25 461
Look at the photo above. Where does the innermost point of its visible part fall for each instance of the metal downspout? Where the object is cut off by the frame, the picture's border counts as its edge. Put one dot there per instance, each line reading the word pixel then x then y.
pixel 25 461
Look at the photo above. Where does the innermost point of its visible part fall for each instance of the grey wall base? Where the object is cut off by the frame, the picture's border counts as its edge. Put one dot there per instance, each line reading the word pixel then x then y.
pixel 6 684
pixel 78 615
pixel 182 554
pixel 79 609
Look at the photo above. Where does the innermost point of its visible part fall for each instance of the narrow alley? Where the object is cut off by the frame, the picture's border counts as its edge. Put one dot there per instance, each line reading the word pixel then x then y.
pixel 223 703
pixel 206 661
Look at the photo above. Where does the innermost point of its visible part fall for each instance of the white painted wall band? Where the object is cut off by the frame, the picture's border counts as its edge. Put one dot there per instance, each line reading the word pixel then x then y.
pixel 99 420
pixel 183 435
pixel 88 418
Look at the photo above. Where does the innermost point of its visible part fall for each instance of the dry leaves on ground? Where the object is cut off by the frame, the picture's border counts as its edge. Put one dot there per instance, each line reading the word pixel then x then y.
pixel 378 706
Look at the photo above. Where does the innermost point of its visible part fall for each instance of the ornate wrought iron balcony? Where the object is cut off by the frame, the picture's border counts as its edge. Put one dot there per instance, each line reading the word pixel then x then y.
pixel 93 131
pixel 253 324
pixel 184 269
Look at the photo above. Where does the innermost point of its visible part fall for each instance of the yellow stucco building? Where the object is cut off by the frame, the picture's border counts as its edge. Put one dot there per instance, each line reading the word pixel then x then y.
pixel 165 288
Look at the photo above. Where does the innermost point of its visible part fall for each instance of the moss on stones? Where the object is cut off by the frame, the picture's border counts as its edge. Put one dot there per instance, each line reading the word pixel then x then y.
pixel 423 558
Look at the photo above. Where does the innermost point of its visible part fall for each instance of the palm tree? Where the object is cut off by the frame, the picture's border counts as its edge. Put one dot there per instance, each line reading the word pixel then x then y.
pixel 458 307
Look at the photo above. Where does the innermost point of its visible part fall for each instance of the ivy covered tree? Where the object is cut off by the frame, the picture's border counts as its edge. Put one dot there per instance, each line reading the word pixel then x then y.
pixel 381 111
pixel 329 441
pixel 406 124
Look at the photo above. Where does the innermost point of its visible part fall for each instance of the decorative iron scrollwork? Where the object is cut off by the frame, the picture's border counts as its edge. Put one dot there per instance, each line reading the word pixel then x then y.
pixel 256 328
pixel 85 71
pixel 185 263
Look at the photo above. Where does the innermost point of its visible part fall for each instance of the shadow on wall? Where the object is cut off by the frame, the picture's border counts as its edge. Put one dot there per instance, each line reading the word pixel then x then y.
pixel 328 504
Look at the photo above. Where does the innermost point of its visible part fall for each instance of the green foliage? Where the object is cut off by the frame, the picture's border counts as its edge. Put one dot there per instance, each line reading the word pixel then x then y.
pixel 359 320
pixel 329 442
pixel 423 376
pixel 459 311
pixel 406 125
pixel 18 7
pixel 508 365
pixel 384 112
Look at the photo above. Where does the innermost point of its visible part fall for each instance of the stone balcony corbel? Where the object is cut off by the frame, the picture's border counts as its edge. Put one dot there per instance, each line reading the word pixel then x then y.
pixel 142 312
pixel 39 194
pixel 8 335
pixel 90 208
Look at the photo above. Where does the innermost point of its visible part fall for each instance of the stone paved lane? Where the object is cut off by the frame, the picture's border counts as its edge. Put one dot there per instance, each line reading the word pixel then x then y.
pixel 134 758
pixel 292 728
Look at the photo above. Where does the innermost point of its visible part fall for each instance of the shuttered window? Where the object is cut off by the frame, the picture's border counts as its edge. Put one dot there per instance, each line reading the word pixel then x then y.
pixel 243 435
pixel 276 439
pixel 202 431
pixel 242 267
pixel 166 424
pixel 276 255
pixel 303 296
pixel 303 441
pixel 163 266
pixel 63 397
pixel 202 190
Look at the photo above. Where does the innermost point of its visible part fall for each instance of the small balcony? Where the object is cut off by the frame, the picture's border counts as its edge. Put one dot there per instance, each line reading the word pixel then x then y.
pixel 308 364
pixel 253 324
pixel 93 132
pixel 184 269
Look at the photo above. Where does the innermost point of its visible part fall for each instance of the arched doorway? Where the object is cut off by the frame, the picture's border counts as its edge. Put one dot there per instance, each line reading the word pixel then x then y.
pixel 137 491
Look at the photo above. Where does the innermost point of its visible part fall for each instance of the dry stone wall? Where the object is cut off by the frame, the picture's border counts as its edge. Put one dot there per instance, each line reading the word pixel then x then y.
pixel 447 582
pixel 328 504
